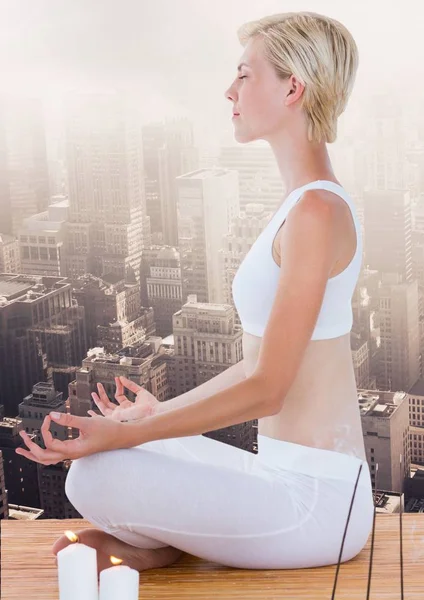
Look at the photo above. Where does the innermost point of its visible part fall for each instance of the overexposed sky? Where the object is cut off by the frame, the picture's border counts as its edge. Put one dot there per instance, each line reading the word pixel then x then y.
pixel 179 56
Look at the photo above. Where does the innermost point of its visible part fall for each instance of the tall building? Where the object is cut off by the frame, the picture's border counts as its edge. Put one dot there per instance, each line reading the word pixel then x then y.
pixel 259 179
pixel 53 499
pixel 386 144
pixel 41 331
pixel 400 312
pixel 50 478
pixel 399 335
pixel 360 358
pixel 170 152
pixel 387 223
pixel 36 406
pixel 418 250
pixel 4 505
pixel 161 285
pixel 20 474
pixel 207 342
pixel 108 225
pixel 114 316
pixel 207 203
pixel 154 140
pixel 34 490
pixel 9 254
pixel 385 425
pixel 416 422
pixel 143 365
pixel 24 176
pixel 57 159
pixel 41 239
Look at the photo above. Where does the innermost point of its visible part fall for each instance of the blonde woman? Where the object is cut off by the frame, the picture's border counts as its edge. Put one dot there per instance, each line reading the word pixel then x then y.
pixel 173 490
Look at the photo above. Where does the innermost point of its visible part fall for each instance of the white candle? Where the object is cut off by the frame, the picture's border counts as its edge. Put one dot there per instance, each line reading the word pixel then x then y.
pixel 77 570
pixel 119 583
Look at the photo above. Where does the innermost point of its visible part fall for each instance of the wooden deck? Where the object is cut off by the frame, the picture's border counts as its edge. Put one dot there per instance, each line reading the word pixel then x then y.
pixel 28 568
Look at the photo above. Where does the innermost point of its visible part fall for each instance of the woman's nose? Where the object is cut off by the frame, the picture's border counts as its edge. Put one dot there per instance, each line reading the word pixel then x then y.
pixel 229 94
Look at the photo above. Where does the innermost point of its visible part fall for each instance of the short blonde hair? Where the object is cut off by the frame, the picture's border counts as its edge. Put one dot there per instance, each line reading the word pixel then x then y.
pixel 321 53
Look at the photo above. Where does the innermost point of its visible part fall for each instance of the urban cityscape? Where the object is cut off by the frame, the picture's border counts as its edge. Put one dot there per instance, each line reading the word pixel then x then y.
pixel 120 236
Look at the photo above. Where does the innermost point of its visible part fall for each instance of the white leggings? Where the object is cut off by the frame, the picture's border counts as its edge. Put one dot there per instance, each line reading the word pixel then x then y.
pixel 283 508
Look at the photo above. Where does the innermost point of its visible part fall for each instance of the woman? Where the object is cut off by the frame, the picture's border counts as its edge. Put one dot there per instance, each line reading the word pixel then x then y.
pixel 287 506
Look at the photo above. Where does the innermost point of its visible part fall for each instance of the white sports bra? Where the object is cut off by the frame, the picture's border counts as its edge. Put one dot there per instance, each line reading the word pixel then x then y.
pixel 256 280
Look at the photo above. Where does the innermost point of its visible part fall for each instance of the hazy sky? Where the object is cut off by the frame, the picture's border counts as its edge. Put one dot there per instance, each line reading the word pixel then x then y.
pixel 181 55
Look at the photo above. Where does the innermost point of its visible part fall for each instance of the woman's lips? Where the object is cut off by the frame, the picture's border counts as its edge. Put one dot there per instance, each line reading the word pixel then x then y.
pixel 236 115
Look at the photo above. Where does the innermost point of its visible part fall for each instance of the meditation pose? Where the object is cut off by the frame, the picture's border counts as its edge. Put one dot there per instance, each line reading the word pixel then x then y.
pixel 143 473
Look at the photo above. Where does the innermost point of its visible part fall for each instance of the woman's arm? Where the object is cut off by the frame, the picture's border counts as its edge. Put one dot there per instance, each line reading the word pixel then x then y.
pixel 226 379
pixel 244 401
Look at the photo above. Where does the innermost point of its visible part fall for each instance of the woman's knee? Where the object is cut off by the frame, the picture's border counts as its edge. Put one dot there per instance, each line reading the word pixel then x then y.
pixel 84 482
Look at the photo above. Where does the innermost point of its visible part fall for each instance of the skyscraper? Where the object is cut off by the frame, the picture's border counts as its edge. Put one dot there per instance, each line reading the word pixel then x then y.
pixel 108 225
pixel 24 177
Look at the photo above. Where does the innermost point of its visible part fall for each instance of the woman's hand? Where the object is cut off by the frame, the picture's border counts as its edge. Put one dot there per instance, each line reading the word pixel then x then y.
pixel 96 435
pixel 144 405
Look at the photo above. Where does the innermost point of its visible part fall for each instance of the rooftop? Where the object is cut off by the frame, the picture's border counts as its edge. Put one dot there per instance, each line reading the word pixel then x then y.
pixel 29 569
pixel 20 287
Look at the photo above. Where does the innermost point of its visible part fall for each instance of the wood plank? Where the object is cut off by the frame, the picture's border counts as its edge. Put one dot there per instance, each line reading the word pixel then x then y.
pixel 28 568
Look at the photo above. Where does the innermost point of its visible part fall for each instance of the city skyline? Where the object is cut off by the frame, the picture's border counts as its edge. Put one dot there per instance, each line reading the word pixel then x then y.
pixel 160 54
pixel 128 209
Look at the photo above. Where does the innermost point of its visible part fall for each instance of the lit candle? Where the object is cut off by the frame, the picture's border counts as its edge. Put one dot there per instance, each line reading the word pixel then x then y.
pixel 119 582
pixel 77 571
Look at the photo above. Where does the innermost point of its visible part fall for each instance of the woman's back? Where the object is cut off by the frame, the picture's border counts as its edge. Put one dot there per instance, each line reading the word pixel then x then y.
pixel 321 408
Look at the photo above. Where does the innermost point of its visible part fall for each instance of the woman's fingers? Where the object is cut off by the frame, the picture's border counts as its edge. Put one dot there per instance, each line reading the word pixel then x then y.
pixel 29 455
pixel 35 452
pixel 98 403
pixel 49 440
pixel 104 397
pixel 102 401
pixel 131 385
pixel 120 394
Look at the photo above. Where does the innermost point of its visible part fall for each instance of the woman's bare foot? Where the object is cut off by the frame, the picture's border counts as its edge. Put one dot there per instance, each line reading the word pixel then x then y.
pixel 107 545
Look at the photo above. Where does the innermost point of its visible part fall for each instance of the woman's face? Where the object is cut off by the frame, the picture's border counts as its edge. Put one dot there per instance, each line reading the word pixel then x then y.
pixel 262 99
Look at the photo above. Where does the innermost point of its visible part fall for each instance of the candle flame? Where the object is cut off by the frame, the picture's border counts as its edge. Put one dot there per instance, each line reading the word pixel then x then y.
pixel 115 561
pixel 71 535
